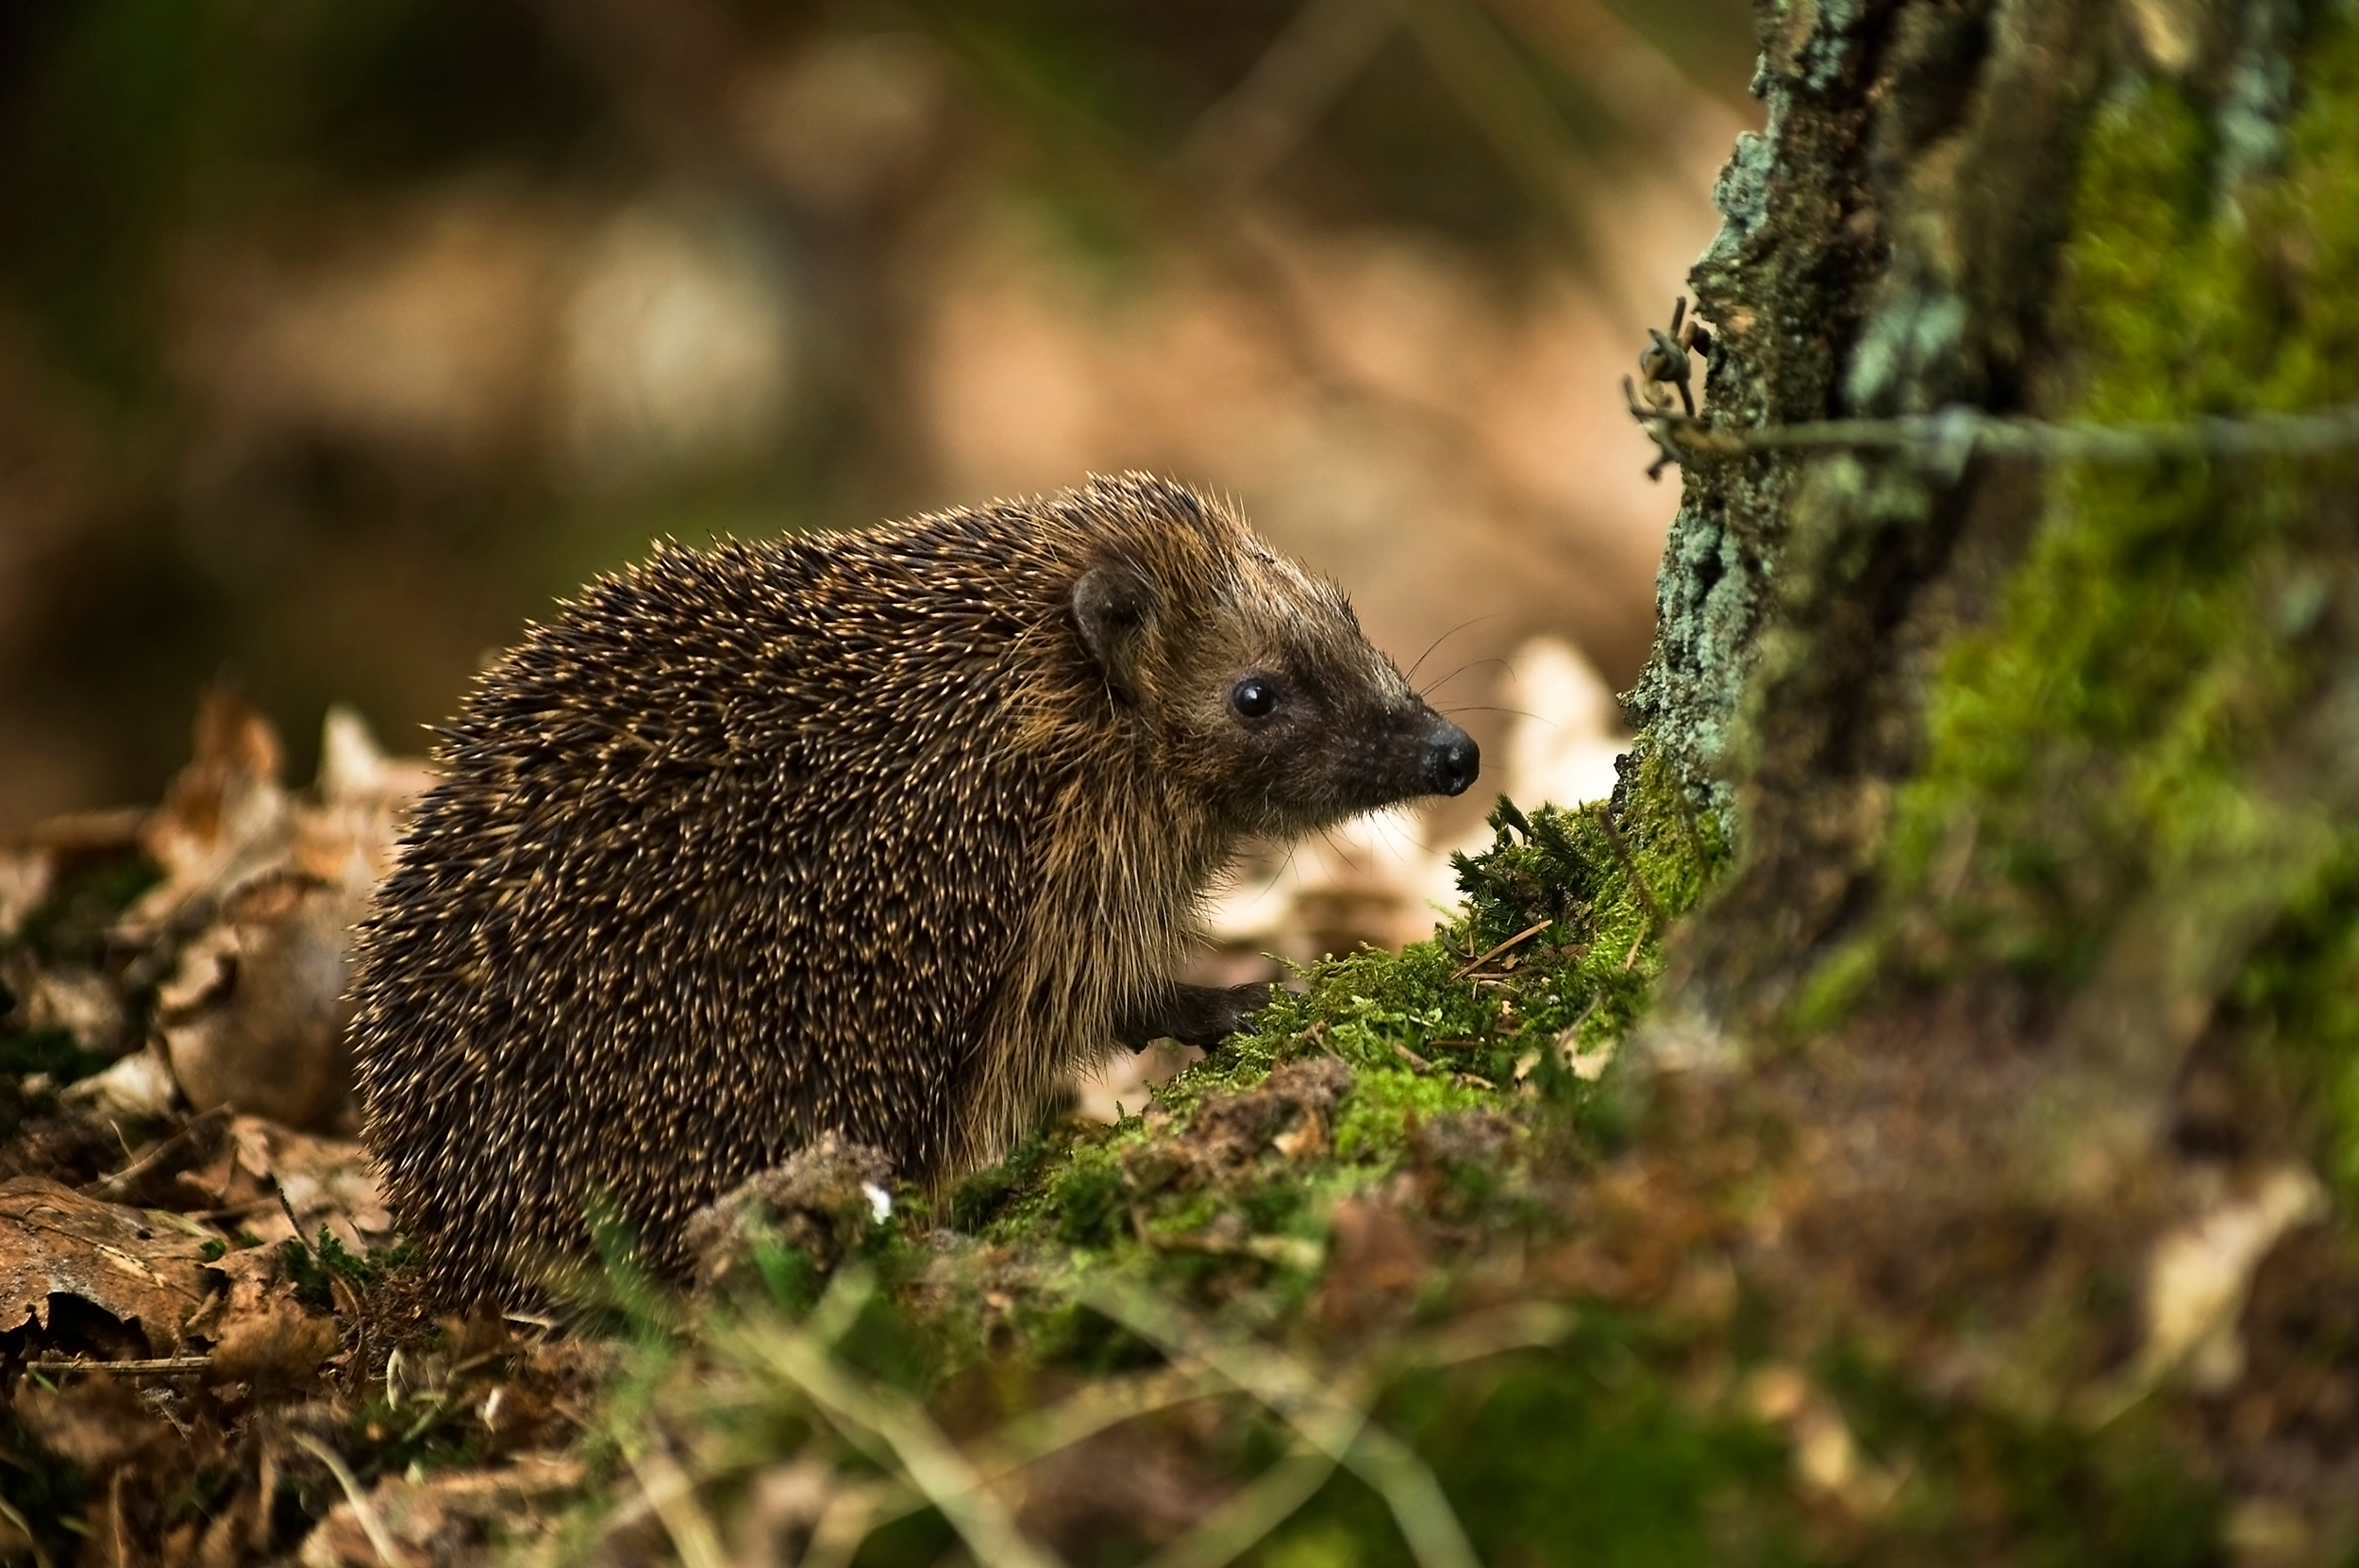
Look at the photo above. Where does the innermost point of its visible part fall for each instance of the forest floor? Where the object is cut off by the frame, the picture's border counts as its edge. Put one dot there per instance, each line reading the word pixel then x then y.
pixel 1427 1269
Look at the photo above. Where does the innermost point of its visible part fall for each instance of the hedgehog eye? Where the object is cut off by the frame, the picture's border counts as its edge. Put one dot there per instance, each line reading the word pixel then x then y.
pixel 1253 698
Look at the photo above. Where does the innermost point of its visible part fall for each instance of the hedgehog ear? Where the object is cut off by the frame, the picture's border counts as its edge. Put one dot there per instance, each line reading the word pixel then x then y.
pixel 1111 606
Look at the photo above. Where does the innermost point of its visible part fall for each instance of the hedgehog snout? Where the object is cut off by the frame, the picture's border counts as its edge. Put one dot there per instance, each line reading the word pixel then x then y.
pixel 1452 759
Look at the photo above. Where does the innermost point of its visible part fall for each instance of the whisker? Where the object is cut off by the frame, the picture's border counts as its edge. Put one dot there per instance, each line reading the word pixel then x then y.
pixel 1396 824
pixel 1472 664
pixel 1446 637
pixel 1516 711
pixel 1340 853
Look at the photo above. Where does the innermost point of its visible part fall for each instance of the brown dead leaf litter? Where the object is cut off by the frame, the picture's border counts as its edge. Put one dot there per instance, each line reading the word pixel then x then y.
pixel 200 1361
pixel 188 1382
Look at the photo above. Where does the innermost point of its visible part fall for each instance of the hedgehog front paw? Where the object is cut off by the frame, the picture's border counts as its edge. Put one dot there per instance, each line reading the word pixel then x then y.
pixel 1193 1015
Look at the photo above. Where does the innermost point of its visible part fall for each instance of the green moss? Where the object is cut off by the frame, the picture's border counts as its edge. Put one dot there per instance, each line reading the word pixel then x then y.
pixel 1385 1106
pixel 1561 930
pixel 1087 1197
pixel 2119 726
pixel 1556 949
pixel 308 1267
pixel 978 1198
pixel 2298 999
pixel 1585 1454
pixel 1987 1486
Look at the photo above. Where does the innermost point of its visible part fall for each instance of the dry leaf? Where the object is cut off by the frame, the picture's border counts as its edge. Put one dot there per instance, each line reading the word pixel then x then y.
pixel 97 1423
pixel 256 1285
pixel 25 876
pixel 139 1268
pixel 2198 1276
pixel 254 1015
pixel 223 813
pixel 277 1349
pixel 83 1002
pixel 255 914
pixel 138 1087
pixel 328 1181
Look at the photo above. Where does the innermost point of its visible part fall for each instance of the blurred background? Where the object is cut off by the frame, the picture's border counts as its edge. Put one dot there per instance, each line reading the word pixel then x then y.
pixel 336 336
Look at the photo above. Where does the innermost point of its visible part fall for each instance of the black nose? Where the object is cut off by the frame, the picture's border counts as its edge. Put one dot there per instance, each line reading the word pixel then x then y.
pixel 1451 759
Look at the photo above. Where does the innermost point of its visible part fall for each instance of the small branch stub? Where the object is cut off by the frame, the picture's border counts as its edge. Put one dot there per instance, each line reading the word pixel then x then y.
pixel 1945 441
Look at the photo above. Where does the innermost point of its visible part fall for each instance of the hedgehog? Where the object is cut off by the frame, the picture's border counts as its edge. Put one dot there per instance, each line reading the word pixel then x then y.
pixel 881 834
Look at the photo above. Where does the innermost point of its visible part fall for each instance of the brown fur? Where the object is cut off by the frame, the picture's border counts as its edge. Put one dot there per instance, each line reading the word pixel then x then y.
pixel 876 833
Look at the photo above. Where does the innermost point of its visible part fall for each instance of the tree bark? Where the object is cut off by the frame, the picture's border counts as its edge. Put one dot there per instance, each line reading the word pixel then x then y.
pixel 2041 947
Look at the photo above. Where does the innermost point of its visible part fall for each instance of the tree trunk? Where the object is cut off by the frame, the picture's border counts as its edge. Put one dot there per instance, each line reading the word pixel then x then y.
pixel 2040 956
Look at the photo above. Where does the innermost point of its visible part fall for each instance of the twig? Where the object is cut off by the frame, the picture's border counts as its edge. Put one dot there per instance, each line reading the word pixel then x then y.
pixel 1268 1501
pixel 1336 1428
pixel 1572 1030
pixel 673 1496
pixel 156 1153
pixel 159 1365
pixel 1950 436
pixel 363 1510
pixel 278 1191
pixel 1629 864
pixel 930 1461
pixel 1471 965
pixel 18 1521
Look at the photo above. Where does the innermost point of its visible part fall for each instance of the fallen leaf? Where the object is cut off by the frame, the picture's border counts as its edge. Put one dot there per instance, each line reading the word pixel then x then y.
pixel 1827 1460
pixel 140 1268
pixel 2198 1276
pixel 257 1285
pixel 251 927
pixel 83 1002
pixel 223 812
pixel 254 1016
pixel 276 1350
pixel 328 1181
pixel 1588 1065
pixel 97 1423
pixel 138 1087
pixel 25 877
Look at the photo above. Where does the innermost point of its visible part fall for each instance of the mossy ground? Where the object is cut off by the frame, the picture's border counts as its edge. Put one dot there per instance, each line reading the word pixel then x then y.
pixel 1359 1189
pixel 1406 1193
